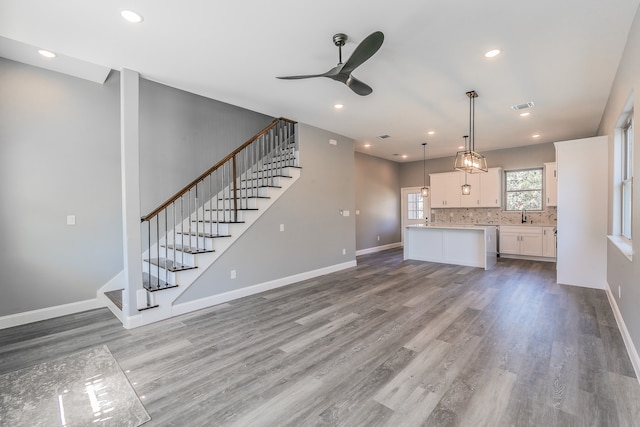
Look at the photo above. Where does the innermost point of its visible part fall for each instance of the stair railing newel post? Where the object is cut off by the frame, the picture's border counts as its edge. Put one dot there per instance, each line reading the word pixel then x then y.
pixel 235 190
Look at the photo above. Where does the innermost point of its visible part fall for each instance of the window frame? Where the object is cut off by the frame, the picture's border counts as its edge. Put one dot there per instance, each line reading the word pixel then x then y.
pixel 419 203
pixel 541 189
pixel 626 178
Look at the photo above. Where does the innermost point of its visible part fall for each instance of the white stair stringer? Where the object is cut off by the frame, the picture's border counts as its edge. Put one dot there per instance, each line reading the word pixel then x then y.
pixel 165 298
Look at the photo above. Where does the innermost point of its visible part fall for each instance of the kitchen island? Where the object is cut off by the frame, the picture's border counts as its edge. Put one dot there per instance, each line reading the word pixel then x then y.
pixel 469 245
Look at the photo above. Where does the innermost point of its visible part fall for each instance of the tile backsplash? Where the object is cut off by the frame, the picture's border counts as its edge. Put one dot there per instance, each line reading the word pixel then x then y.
pixel 493 216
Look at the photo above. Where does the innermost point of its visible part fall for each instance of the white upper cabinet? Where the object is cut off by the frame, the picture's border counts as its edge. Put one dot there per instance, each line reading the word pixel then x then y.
pixel 486 189
pixel 491 188
pixel 551 184
pixel 446 189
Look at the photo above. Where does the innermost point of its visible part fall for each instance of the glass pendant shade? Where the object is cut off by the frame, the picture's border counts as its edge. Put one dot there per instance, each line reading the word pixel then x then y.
pixel 470 162
pixel 466 189
pixel 425 192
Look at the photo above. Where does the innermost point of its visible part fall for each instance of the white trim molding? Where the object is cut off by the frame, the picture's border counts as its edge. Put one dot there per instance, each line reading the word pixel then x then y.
pixel 628 342
pixel 49 313
pixel 378 248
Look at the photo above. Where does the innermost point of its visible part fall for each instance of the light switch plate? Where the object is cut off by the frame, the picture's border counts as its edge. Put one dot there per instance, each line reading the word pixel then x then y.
pixel 333 142
pixel 281 227
pixel 346 213
pixel 71 220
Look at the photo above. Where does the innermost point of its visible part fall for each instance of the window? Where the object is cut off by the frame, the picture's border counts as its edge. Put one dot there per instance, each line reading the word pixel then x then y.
pixel 524 189
pixel 415 206
pixel 626 154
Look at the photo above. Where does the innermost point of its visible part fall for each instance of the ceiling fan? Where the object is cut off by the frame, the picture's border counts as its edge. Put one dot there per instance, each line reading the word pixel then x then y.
pixel 342 72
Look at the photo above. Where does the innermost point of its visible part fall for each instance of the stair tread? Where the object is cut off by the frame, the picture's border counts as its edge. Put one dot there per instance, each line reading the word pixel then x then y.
pixel 154 284
pixel 230 209
pixel 188 249
pixel 207 221
pixel 248 197
pixel 207 235
pixel 268 177
pixel 168 264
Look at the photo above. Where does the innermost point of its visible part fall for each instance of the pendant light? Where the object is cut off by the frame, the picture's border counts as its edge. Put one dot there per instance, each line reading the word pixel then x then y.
pixel 425 189
pixel 468 160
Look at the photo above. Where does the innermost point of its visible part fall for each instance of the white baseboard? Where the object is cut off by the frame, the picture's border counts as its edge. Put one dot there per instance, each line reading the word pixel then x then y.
pixel 49 313
pixel 188 307
pixel 628 342
pixel 378 248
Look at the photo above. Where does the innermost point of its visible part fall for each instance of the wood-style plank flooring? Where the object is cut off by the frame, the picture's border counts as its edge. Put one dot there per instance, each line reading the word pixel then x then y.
pixel 387 343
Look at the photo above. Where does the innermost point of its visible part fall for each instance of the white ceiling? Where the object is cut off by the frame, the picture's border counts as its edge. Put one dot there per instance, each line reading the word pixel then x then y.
pixel 560 54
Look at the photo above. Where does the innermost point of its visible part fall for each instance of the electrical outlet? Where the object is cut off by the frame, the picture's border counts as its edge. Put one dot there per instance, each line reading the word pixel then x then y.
pixel 344 252
pixel 281 227
pixel 233 274
pixel 378 238
pixel 333 142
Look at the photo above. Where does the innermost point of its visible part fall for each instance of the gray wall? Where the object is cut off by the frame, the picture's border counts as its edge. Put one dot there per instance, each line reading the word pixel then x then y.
pixel 59 156
pixel 182 135
pixel 378 200
pixel 530 156
pixel 620 271
pixel 315 232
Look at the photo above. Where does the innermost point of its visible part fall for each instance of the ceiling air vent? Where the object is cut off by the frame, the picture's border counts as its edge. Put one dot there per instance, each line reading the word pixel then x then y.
pixel 384 137
pixel 523 106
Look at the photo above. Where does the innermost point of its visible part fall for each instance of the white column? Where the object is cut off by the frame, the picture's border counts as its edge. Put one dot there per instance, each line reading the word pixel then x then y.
pixel 582 212
pixel 130 175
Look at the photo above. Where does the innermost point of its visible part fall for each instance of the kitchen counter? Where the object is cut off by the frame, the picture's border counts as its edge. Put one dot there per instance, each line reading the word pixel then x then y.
pixel 468 245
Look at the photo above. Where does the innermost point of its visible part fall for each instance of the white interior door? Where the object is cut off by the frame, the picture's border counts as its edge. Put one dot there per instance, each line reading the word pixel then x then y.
pixel 415 208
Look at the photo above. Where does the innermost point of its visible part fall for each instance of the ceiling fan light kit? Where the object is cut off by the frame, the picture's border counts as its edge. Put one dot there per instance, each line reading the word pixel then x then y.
pixel 342 72
pixel 469 160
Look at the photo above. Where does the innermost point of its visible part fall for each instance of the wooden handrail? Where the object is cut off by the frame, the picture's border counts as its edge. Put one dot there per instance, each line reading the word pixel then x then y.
pixel 180 193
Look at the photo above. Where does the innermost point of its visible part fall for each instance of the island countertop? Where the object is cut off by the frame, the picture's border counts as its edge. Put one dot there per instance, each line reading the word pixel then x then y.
pixel 469 245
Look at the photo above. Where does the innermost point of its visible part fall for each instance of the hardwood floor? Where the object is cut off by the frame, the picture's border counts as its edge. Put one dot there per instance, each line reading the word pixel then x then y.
pixel 390 342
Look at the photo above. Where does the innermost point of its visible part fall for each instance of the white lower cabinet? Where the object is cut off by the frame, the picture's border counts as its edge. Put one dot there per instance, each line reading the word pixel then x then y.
pixel 520 240
pixel 549 242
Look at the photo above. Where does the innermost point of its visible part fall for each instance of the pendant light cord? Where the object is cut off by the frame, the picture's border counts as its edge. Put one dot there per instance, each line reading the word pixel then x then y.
pixel 424 163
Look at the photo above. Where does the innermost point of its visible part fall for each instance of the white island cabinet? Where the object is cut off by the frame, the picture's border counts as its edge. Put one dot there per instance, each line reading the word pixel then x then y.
pixel 473 246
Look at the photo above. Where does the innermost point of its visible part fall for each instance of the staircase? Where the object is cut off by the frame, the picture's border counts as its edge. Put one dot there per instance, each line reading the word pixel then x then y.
pixel 186 234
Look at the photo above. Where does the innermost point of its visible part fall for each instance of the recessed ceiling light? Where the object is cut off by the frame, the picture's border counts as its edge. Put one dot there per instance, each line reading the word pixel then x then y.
pixel 338 106
pixel 535 135
pixel 431 132
pixel 461 147
pixel 131 16
pixel 524 114
pixel 367 145
pixel 46 53
pixel 404 156
pixel 492 53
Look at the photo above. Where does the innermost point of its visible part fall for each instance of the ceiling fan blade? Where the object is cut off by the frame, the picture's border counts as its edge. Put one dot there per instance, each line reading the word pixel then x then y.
pixel 331 73
pixel 358 87
pixel 365 50
pixel 302 77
